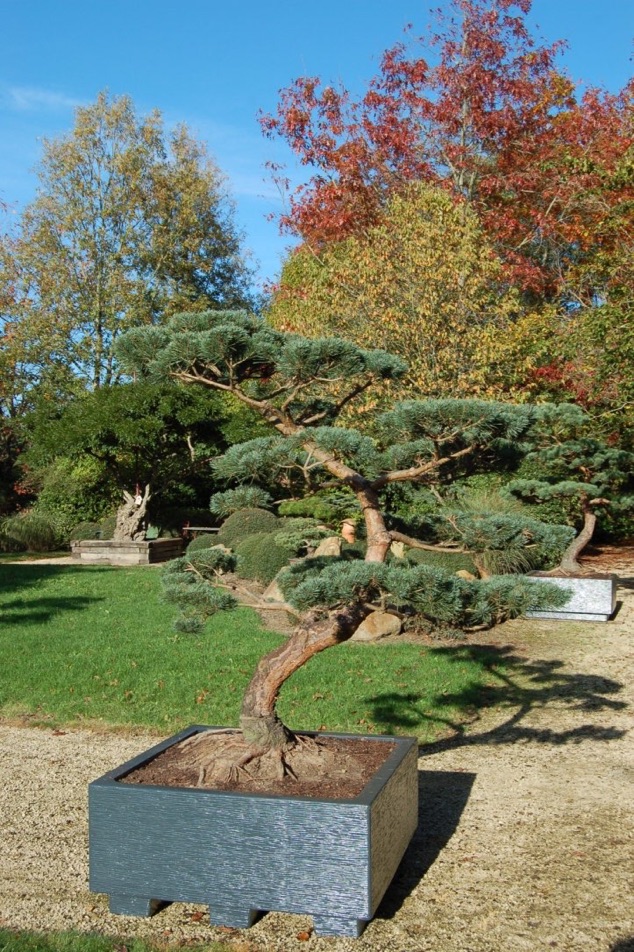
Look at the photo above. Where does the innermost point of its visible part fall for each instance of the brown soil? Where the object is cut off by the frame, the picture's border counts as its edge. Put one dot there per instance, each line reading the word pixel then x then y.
pixel 339 768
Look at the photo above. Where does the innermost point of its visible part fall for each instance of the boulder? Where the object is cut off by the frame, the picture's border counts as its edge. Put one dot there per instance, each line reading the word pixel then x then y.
pixel 273 593
pixel 377 625
pixel 329 546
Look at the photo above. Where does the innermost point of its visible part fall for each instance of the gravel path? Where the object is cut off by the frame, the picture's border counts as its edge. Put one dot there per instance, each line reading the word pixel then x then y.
pixel 526 833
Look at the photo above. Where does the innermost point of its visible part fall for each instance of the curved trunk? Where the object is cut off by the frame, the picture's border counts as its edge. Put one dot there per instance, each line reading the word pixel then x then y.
pixel 379 539
pixel 316 632
pixel 569 561
pixel 318 629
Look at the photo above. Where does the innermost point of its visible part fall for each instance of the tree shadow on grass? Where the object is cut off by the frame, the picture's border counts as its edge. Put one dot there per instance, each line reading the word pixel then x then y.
pixel 32 608
pixel 513 685
pixel 36 611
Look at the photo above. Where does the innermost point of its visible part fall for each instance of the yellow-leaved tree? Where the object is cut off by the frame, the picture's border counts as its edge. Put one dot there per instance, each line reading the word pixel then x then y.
pixel 424 284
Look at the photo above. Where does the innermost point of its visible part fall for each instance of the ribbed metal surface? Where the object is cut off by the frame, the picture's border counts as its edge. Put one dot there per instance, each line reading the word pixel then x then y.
pixel 591 598
pixel 393 822
pixel 243 852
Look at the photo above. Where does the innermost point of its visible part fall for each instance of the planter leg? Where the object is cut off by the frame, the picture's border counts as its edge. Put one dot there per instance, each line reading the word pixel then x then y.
pixel 338 925
pixel 133 906
pixel 236 916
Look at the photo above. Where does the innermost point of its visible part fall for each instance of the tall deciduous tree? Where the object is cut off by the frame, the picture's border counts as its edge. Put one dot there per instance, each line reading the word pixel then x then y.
pixel 130 223
pixel 479 107
pixel 422 283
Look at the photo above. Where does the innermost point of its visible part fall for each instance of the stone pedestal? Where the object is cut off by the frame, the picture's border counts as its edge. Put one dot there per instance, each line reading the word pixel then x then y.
pixel 109 552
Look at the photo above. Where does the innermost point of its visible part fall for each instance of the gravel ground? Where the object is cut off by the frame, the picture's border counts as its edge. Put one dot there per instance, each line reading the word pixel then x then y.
pixel 526 822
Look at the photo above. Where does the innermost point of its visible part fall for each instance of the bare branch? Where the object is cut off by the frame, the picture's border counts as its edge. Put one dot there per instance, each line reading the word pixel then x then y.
pixel 428 547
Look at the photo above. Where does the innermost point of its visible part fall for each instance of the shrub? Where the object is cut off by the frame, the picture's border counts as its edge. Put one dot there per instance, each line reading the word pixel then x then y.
pixel 243 497
pixel 107 526
pixel 202 542
pixel 33 531
pixel 74 491
pixel 84 530
pixel 329 506
pixel 7 542
pixel 245 522
pixel 260 557
pixel 299 534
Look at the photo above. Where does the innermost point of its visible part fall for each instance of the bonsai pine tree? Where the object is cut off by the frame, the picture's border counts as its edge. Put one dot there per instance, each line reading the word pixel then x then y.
pixel 495 541
pixel 583 474
pixel 300 387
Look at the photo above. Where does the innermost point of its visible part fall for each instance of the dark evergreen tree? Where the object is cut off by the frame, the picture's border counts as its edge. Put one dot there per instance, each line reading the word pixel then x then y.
pixel 125 436
pixel 585 475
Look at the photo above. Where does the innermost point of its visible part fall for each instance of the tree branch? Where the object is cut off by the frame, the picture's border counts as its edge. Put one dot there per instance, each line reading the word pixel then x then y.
pixel 415 472
pixel 415 544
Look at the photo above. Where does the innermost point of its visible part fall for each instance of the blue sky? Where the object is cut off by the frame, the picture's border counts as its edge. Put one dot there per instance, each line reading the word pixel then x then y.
pixel 213 65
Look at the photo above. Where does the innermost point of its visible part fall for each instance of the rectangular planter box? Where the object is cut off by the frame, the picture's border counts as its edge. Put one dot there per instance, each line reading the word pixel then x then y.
pixel 242 853
pixel 593 598
pixel 109 552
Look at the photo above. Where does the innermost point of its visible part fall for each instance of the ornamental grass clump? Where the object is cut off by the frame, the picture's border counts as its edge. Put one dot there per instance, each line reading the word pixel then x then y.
pixel 300 387
pixel 32 531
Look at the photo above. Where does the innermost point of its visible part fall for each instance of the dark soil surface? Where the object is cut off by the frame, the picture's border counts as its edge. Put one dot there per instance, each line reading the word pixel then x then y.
pixel 348 765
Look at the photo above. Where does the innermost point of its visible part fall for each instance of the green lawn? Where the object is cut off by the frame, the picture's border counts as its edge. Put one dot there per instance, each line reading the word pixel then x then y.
pixel 11 941
pixel 95 644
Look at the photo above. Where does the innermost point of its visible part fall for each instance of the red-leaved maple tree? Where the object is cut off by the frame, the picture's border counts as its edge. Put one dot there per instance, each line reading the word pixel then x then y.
pixel 480 108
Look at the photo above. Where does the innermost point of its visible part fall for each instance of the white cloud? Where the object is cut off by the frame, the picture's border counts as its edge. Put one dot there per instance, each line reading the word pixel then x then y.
pixel 32 99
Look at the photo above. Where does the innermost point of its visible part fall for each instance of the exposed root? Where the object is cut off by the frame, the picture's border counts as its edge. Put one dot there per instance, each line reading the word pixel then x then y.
pixel 224 760
pixel 321 766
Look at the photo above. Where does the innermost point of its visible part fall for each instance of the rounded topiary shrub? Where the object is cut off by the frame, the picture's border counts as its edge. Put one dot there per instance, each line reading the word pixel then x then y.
pixel 246 522
pixel 201 542
pixel 107 526
pixel 84 530
pixel 260 557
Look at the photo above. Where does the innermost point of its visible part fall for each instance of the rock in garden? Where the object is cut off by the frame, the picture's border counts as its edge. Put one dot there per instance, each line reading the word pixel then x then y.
pixel 329 546
pixel 467 576
pixel 273 593
pixel 377 625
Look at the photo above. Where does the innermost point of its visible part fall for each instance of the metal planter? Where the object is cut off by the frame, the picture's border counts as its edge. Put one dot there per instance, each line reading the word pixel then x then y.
pixel 242 853
pixel 592 597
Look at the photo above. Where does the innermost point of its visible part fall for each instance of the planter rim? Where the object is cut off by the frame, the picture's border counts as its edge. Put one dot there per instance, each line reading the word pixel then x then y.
pixel 364 798
pixel 112 543
pixel 562 576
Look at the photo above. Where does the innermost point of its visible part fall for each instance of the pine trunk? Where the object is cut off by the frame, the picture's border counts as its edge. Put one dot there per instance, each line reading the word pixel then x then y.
pixel 569 562
pixel 317 631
